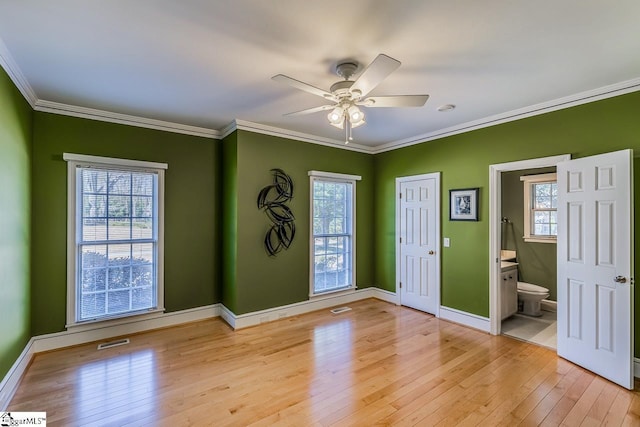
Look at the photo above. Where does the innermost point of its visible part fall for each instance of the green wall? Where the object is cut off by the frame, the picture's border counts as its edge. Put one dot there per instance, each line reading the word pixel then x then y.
pixel 464 160
pixel 537 261
pixel 15 222
pixel 261 281
pixel 191 209
pixel 213 229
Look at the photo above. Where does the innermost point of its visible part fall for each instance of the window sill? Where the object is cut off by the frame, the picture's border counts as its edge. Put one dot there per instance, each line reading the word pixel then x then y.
pixel 540 240
pixel 333 293
pixel 114 321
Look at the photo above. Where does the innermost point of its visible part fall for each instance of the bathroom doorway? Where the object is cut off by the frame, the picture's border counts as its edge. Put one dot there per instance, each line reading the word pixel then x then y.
pixel 506 231
pixel 528 255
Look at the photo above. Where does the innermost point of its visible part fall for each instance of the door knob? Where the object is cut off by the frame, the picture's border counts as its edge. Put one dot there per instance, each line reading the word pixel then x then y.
pixel 431 252
pixel 620 279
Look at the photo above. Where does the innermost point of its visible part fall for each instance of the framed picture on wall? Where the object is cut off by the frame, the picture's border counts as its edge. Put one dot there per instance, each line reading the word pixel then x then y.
pixel 463 204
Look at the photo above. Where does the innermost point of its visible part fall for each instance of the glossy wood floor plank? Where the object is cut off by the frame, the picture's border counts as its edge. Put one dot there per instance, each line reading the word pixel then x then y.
pixel 378 364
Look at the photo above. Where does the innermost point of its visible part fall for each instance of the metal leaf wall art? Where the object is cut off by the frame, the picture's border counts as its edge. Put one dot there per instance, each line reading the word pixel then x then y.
pixel 272 200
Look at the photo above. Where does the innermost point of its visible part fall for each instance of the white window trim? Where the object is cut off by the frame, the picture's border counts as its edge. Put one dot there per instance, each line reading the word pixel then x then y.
pixel 528 180
pixel 339 177
pixel 74 160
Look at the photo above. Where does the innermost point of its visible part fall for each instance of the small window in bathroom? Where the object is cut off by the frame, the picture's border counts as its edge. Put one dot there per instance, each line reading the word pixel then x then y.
pixel 540 208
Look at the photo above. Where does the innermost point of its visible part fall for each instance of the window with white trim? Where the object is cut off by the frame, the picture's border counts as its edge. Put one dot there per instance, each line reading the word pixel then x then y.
pixel 115 242
pixel 540 208
pixel 332 232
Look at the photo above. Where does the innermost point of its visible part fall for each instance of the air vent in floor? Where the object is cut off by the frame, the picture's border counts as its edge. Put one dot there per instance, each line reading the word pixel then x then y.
pixel 340 310
pixel 115 343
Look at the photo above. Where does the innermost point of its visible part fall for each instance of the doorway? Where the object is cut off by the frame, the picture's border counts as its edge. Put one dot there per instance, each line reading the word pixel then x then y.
pixel 595 259
pixel 528 256
pixel 495 228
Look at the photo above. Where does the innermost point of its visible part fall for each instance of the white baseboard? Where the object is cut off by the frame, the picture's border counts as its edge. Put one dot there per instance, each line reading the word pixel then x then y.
pixel 239 321
pixel 68 338
pixel 387 296
pixel 47 342
pixel 10 382
pixel 466 319
pixel 549 305
pixel 123 327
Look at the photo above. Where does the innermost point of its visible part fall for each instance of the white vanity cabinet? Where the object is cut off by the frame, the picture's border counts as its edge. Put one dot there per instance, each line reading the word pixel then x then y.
pixel 509 290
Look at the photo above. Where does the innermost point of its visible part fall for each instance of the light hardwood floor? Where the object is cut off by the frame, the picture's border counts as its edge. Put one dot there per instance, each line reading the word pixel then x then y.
pixel 378 364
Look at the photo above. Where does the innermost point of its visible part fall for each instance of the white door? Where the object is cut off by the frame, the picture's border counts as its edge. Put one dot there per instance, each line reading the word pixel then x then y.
pixel 595 292
pixel 418 250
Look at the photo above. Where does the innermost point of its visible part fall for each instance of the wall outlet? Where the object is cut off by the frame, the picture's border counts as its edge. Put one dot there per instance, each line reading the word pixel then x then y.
pixel 447 242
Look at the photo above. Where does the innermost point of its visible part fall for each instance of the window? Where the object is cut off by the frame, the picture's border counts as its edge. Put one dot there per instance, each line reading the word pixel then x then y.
pixel 333 232
pixel 115 231
pixel 540 208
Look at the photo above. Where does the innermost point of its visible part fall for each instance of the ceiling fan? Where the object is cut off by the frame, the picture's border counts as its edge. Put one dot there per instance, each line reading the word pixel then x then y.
pixel 347 96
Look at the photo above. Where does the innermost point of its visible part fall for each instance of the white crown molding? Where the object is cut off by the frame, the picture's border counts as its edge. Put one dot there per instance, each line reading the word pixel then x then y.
pixel 7 62
pixel 530 111
pixel 111 117
pixel 15 74
pixel 289 134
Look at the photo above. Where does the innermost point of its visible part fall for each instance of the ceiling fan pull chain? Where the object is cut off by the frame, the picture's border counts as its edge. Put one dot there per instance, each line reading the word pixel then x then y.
pixel 347 131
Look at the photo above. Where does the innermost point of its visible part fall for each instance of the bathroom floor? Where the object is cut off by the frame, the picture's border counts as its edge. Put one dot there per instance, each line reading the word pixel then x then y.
pixel 539 330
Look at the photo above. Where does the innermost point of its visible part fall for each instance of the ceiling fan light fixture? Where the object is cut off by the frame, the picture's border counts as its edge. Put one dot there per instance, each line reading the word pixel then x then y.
pixel 347 96
pixel 336 116
pixel 358 123
pixel 339 125
pixel 355 114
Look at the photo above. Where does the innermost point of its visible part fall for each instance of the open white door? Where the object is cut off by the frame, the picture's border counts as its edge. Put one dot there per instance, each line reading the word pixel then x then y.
pixel 595 292
pixel 417 251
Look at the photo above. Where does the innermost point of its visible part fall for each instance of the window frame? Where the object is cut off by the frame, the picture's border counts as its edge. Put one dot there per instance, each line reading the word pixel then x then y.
pixel 529 181
pixel 315 176
pixel 74 216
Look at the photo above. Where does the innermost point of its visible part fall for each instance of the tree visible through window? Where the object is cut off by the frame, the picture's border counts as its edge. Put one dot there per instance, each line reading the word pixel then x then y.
pixel 332 234
pixel 117 241
pixel 540 207
pixel 545 204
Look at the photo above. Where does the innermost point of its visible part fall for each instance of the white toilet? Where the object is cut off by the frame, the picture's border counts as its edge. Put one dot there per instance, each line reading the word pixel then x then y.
pixel 530 296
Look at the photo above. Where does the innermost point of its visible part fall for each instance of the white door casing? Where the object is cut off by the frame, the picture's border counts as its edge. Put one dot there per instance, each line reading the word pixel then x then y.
pixel 595 310
pixel 495 226
pixel 418 242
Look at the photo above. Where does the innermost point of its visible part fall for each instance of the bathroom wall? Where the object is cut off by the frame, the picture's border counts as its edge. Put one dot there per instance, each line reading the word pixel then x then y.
pixel 537 261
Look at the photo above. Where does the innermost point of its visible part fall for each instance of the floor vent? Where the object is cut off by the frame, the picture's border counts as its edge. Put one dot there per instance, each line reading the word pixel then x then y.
pixel 340 310
pixel 113 343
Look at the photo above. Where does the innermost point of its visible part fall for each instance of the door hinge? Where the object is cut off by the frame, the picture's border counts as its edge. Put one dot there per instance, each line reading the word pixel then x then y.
pixel 400 285
pixel 401 195
pixel 401 240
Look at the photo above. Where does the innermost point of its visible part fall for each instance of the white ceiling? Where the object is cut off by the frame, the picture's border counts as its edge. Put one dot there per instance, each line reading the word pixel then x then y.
pixel 207 63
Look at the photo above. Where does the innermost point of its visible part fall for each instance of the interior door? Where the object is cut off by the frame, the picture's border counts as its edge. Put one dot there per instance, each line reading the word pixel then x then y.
pixel 419 261
pixel 595 292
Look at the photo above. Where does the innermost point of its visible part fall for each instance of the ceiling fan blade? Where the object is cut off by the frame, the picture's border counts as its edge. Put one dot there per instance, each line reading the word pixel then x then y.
pixel 302 86
pixel 375 73
pixel 395 101
pixel 311 110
